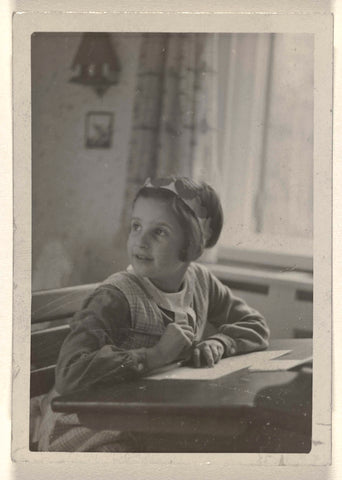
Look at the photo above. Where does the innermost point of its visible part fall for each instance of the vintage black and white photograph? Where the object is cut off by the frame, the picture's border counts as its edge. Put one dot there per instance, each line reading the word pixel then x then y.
pixel 172 255
pixel 188 245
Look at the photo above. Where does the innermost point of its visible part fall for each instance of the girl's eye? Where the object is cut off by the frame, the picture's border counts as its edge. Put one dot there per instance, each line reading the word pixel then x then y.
pixel 135 226
pixel 160 232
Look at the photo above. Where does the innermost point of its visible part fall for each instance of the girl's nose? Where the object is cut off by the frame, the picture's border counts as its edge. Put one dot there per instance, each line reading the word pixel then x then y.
pixel 144 240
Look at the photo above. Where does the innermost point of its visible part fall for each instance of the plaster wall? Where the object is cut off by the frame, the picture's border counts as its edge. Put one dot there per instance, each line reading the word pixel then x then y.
pixel 77 192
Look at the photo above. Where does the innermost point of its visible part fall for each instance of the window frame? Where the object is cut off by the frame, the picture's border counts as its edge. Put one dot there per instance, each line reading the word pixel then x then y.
pixel 265 258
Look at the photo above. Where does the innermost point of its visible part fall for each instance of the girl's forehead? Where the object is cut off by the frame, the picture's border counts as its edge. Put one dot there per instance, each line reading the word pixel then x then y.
pixel 153 209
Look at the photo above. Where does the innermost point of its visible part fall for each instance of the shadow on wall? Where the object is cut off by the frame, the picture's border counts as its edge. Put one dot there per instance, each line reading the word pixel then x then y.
pixel 68 267
pixel 61 266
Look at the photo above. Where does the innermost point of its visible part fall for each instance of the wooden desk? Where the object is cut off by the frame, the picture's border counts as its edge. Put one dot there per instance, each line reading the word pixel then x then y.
pixel 241 412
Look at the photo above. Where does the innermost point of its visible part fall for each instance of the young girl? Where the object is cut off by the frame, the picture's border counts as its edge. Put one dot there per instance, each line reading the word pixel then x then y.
pixel 154 313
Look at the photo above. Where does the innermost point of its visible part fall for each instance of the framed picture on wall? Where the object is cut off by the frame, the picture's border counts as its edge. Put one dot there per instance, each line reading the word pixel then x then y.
pixel 99 129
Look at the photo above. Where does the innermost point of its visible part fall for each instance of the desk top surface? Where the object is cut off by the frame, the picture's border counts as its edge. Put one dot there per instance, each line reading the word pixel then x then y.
pixel 239 390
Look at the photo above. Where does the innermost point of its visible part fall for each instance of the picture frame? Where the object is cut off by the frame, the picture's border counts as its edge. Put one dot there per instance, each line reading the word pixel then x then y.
pixel 99 129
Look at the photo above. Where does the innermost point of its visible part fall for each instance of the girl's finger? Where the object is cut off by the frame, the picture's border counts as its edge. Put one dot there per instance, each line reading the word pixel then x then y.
pixel 196 357
pixel 231 350
pixel 182 322
pixel 186 327
pixel 220 354
pixel 189 335
pixel 181 328
pixel 208 356
pixel 215 353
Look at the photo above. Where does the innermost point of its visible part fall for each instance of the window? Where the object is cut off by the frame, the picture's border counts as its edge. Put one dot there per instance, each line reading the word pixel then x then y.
pixel 265 146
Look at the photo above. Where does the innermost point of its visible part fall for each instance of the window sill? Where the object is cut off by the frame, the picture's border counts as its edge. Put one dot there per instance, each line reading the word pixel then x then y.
pixel 262 276
pixel 266 258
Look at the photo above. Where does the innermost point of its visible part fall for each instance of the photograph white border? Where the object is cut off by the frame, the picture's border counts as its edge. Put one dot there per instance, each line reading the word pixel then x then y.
pixel 320 26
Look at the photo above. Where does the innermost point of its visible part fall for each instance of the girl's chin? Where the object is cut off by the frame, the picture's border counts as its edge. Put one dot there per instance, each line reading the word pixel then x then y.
pixel 143 267
pixel 147 271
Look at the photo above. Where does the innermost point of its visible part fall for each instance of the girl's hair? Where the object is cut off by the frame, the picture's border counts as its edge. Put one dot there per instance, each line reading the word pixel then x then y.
pixel 209 200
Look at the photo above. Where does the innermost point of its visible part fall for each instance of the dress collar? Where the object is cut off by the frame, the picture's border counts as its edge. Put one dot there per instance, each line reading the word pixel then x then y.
pixel 179 302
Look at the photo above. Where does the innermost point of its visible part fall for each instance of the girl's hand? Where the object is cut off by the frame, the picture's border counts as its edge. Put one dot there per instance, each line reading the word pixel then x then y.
pixel 207 353
pixel 176 338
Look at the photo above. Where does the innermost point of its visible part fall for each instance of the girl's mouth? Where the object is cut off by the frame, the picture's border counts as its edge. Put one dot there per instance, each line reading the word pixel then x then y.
pixel 143 258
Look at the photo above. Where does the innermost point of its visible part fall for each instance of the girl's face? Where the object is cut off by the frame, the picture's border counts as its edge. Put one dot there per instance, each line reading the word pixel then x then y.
pixel 155 242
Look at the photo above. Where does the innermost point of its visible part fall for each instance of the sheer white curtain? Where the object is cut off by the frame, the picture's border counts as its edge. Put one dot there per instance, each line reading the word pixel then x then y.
pixel 174 128
pixel 266 144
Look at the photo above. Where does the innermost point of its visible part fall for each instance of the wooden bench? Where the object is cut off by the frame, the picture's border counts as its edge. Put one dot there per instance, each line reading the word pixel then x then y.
pixel 51 313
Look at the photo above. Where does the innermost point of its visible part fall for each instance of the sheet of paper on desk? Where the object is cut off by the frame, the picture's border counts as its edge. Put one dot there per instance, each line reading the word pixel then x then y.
pixel 278 365
pixel 224 367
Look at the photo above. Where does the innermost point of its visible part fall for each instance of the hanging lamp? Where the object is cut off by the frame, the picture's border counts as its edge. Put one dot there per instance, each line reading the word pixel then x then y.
pixel 96 63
